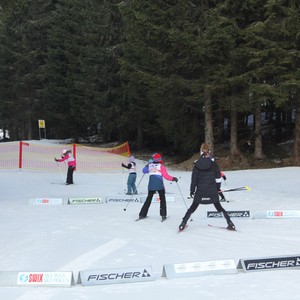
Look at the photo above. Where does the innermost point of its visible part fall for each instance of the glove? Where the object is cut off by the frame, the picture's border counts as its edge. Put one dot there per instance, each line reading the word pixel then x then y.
pixel 175 179
pixel 192 194
pixel 123 165
pixel 224 177
pixel 55 159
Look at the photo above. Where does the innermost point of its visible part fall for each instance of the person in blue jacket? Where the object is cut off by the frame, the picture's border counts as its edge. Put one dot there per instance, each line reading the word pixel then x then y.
pixel 157 172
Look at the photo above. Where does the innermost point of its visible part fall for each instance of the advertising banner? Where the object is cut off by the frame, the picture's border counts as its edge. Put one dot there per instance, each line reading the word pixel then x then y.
pixel 276 214
pixel 232 214
pixel 121 199
pixel 269 263
pixel 93 200
pixel 45 201
pixel 112 276
pixel 195 269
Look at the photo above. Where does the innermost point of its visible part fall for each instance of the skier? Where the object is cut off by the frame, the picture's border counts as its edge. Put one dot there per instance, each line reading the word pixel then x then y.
pixel 205 149
pixel 220 193
pixel 67 155
pixel 205 184
pixel 131 188
pixel 157 172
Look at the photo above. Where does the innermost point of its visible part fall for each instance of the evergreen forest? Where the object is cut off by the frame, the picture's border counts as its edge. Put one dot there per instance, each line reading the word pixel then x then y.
pixel 157 73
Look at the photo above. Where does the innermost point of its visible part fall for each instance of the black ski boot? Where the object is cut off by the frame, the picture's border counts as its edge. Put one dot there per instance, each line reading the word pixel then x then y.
pixel 182 225
pixel 230 226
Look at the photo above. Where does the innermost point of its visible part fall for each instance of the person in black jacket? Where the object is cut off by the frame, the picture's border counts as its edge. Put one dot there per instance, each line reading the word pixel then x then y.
pixel 206 181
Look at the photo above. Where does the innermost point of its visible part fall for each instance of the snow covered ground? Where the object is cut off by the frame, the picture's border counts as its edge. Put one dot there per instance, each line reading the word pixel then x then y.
pixel 104 236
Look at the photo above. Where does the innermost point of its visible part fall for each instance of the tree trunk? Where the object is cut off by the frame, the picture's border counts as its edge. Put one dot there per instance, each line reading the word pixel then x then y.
pixel 258 153
pixel 139 138
pixel 296 146
pixel 209 138
pixel 234 150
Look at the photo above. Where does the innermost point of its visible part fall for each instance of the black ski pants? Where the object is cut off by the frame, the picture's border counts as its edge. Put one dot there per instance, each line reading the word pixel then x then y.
pixel 195 205
pixel 70 175
pixel 163 204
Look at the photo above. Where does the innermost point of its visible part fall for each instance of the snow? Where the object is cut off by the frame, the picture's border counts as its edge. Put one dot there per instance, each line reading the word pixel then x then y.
pixel 104 236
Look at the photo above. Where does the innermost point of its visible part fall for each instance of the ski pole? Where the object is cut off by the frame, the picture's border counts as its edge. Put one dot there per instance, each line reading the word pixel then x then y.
pixel 182 198
pixel 242 188
pixel 134 192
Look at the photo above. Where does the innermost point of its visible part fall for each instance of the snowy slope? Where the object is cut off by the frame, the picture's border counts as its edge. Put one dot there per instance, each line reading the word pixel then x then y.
pixel 104 236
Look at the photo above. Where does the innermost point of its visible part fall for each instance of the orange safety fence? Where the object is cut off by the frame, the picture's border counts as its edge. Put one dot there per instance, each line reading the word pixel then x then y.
pixel 34 155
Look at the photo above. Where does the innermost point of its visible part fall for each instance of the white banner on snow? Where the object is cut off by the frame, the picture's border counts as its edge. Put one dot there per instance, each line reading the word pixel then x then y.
pixel 34 279
pixel 45 201
pixel 201 268
pixel 276 214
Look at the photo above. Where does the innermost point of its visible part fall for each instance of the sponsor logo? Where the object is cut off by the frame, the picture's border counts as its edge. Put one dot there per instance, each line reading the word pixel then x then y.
pixel 118 276
pixel 272 263
pixel 85 200
pixel 43 278
pixel 122 200
pixel 43 201
pixel 232 214
pixel 283 213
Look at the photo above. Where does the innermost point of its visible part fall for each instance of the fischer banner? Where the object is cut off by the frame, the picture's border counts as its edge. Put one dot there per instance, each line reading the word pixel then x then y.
pixel 269 263
pixel 95 200
pixel 232 214
pixel 111 276
pixel 121 199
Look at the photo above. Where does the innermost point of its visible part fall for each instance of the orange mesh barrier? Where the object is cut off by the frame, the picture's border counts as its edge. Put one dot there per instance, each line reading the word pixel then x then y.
pixel 40 156
pixel 9 155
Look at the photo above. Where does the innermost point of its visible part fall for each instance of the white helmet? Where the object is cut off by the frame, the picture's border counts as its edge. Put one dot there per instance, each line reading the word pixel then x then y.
pixel 64 151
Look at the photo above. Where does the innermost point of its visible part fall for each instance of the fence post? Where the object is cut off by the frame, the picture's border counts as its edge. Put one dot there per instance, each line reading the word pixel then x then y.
pixel 20 155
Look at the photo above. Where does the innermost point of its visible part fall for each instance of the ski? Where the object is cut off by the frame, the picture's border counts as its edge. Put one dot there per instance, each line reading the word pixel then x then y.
pixel 221 227
pixel 61 183
pixel 139 219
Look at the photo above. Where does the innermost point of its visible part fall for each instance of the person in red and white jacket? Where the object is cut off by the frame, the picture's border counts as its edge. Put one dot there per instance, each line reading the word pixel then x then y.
pixel 67 155
pixel 157 172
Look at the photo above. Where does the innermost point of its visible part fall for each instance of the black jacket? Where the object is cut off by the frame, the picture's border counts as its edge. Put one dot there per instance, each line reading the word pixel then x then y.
pixel 204 176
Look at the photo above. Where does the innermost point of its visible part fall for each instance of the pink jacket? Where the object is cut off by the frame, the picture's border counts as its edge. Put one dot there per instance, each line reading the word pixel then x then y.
pixel 70 158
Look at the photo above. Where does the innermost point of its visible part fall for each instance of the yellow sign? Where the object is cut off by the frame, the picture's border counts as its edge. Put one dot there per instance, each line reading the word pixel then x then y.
pixel 42 124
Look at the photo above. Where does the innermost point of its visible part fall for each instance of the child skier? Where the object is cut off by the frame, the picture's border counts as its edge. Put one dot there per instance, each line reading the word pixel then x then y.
pixel 131 188
pixel 67 155
pixel 220 193
pixel 157 172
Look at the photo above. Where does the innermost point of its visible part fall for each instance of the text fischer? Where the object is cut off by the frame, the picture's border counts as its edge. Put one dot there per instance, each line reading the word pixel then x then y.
pixel 271 264
pixel 114 276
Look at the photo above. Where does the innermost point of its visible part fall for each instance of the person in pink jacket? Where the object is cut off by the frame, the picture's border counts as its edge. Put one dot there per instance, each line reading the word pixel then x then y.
pixel 67 155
